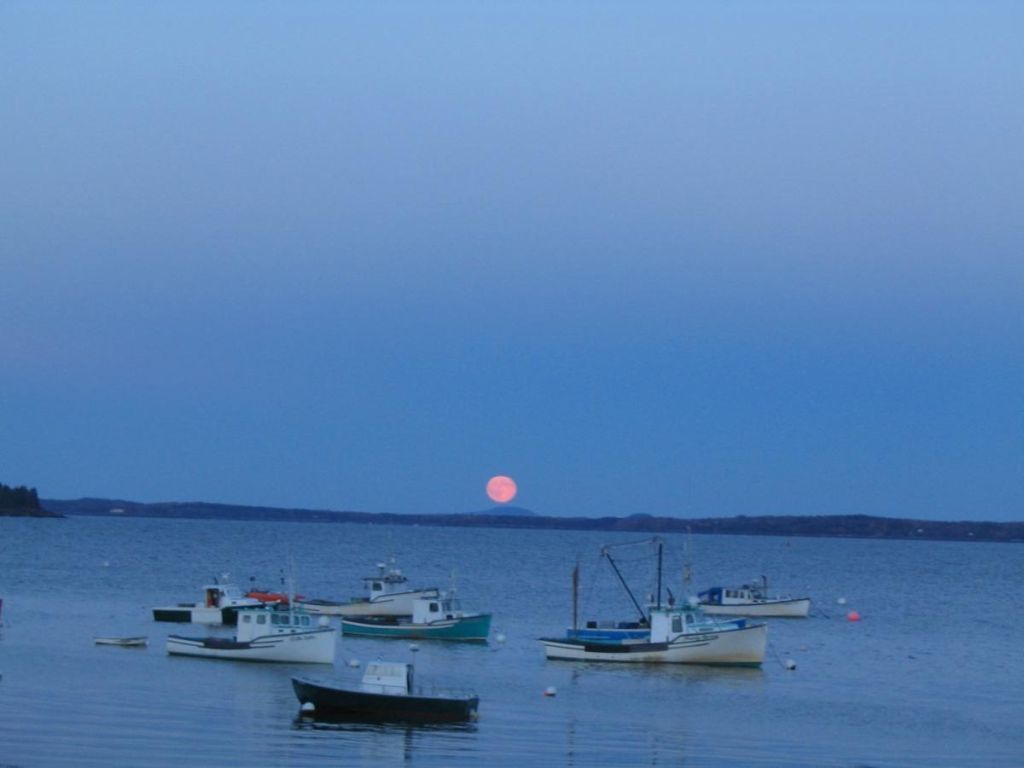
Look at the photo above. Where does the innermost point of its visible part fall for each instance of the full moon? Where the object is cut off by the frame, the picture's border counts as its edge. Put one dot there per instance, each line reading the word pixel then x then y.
pixel 501 489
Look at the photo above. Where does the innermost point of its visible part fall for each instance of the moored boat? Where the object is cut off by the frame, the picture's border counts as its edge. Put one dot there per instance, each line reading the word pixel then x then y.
pixel 620 631
pixel 753 600
pixel 266 633
pixel 440 618
pixel 220 605
pixel 385 694
pixel 664 634
pixel 387 594
pixel 676 636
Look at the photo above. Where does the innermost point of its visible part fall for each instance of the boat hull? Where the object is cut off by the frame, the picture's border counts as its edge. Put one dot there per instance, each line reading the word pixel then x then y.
pixel 797 608
pixel 124 642
pixel 466 628
pixel 315 647
pixel 743 646
pixel 349 704
pixel 396 604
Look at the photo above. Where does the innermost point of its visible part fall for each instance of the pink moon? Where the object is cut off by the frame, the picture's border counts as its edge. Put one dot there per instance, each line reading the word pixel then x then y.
pixel 501 489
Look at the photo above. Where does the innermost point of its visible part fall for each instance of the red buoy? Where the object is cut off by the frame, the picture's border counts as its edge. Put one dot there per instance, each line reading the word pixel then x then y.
pixel 853 616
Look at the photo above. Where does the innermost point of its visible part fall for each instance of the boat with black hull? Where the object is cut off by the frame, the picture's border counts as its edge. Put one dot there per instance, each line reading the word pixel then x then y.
pixel 386 693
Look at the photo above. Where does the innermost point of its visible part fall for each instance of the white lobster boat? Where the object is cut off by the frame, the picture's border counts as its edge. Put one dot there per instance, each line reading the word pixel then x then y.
pixel 753 600
pixel 665 634
pixel 266 633
pixel 676 636
pixel 388 594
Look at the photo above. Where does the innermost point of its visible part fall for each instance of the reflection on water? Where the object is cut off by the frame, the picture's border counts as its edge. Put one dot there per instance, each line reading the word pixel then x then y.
pixel 921 694
pixel 321 722
pixel 387 741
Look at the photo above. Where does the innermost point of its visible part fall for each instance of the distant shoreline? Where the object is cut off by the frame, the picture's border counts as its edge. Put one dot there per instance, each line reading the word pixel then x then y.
pixel 826 526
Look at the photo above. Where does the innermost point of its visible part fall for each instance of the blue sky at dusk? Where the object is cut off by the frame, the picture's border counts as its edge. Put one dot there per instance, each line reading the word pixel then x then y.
pixel 688 259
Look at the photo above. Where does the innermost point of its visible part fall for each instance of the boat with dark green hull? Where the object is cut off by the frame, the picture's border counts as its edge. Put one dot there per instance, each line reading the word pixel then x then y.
pixel 432 619
pixel 385 694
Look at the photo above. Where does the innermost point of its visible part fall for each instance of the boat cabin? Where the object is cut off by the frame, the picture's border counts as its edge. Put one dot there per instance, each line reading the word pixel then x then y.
pixel 267 620
pixel 388 677
pixel 224 595
pixel 669 623
pixel 428 609
pixel 385 583
pixel 389 580
pixel 744 595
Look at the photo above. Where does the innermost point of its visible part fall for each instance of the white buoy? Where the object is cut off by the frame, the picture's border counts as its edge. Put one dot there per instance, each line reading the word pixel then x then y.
pixel 841 601
pixel 323 621
pixel 354 663
pixel 414 647
pixel 790 664
pixel 308 706
pixel 550 691
pixel 499 638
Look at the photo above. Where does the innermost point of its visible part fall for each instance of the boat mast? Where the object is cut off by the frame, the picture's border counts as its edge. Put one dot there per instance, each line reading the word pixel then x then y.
pixel 659 573
pixel 575 593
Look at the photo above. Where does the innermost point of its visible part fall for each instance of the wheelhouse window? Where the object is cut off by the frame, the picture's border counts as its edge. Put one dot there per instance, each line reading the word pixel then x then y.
pixel 677 624
pixel 261 619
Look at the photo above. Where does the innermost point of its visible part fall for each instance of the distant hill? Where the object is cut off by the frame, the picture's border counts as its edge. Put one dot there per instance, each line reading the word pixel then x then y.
pixel 507 511
pixel 850 526
pixel 21 501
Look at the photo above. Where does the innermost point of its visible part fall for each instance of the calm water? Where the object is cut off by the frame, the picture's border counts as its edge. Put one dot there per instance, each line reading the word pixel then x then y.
pixel 933 674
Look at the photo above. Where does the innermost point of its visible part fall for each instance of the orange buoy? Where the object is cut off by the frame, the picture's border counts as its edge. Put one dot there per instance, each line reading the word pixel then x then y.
pixel 853 616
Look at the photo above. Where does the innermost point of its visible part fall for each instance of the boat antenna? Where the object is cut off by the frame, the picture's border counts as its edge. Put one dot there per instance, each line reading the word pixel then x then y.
pixel 625 586
pixel 575 593
pixel 660 546
pixel 687 565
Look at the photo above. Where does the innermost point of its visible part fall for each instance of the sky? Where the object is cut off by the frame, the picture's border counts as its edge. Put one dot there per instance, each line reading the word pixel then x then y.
pixel 691 259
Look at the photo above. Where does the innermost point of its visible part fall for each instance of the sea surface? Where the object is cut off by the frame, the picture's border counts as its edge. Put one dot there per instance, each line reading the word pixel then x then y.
pixel 932 674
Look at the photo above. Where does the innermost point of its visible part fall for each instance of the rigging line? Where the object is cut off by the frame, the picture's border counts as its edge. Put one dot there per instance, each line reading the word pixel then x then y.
pixel 651 540
pixel 585 603
pixel 608 557
pixel 775 653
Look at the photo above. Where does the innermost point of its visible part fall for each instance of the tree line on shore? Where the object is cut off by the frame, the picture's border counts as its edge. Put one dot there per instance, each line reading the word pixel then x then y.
pixel 19 497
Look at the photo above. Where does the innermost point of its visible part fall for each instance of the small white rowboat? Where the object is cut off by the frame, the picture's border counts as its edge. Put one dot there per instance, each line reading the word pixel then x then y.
pixel 127 642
